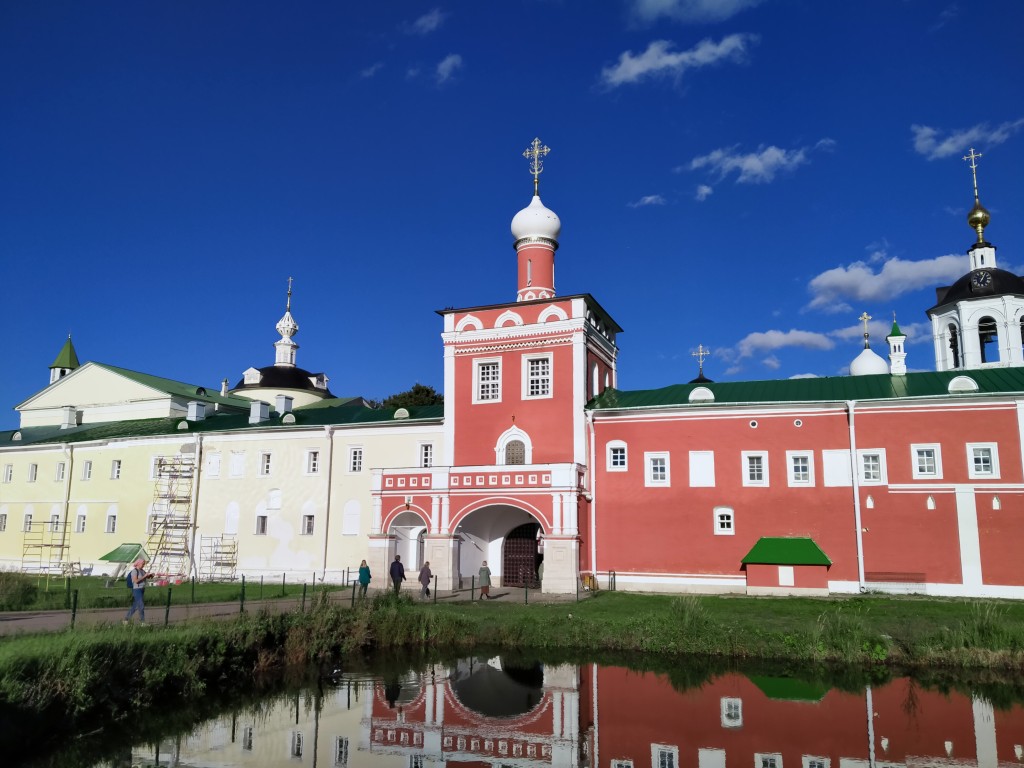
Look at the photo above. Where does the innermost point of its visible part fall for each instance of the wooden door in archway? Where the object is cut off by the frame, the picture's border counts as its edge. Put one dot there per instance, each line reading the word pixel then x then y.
pixel 520 557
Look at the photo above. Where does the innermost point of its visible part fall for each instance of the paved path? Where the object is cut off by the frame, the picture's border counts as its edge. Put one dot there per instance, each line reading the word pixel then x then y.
pixel 28 622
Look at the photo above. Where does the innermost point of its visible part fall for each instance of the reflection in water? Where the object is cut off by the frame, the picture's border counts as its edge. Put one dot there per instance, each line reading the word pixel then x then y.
pixel 480 712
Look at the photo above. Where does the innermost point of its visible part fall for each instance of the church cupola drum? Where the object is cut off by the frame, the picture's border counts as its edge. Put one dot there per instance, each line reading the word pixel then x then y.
pixel 535 231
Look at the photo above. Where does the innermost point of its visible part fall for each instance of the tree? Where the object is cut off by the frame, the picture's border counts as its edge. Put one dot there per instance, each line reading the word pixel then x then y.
pixel 419 394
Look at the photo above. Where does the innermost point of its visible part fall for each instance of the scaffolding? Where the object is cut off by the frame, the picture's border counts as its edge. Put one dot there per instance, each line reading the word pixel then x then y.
pixel 45 549
pixel 219 558
pixel 171 526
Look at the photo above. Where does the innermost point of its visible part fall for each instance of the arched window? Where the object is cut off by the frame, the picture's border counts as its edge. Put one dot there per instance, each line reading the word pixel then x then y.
pixel 515 452
pixel 988 340
pixel 954 345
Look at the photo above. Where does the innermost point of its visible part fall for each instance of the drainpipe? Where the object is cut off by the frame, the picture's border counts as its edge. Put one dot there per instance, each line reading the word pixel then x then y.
pixel 592 475
pixel 69 450
pixel 197 473
pixel 855 476
pixel 329 433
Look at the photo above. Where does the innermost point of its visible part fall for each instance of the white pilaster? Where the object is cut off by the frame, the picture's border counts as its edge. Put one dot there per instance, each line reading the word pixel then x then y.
pixel 556 514
pixel 570 514
pixel 970 542
pixel 985 733
pixel 446 506
pixel 435 513
pixel 377 516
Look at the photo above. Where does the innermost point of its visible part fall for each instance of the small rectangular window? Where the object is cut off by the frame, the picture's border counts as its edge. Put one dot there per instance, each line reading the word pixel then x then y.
pixel 247 738
pixel 111 523
pixel 261 525
pixel 296 744
pixel 265 459
pixel 59 475
pixel 313 462
pixel 982 460
pixel 341 751
pixel 80 524
pixel 536 376
pixel 27 528
pixel 33 472
pixel 54 523
pixel 617 457
pixel 487 384
pixel 872 466
pixel 87 470
pixel 3 523
pixel 307 525
pixel 355 459
pixel 755 468
pixel 426 454
pixel 115 469
pixel 657 469
pixel 8 472
pixel 801 468
pixel 732 712
pixel 724 521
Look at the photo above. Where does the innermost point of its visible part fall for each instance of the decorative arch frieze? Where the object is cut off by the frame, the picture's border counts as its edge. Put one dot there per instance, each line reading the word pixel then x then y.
pixel 506 437
pixel 508 317
pixel 551 314
pixel 469 323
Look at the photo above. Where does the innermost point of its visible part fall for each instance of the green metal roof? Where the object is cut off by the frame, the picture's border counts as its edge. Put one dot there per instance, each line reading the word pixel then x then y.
pixel 126 553
pixel 790 689
pixel 895 329
pixel 811 390
pixel 66 358
pixel 779 550
pixel 180 389
pixel 306 416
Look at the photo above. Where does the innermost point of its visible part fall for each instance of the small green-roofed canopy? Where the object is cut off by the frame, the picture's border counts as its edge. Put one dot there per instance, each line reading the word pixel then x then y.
pixel 66 358
pixel 126 553
pixel 790 689
pixel 778 550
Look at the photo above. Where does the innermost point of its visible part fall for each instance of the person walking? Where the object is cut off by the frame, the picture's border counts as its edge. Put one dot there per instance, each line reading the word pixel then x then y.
pixel 397 573
pixel 138 578
pixel 364 578
pixel 485 582
pixel 425 577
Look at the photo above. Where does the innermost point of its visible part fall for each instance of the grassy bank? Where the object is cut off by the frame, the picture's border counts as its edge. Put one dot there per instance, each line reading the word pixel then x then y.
pixel 87 678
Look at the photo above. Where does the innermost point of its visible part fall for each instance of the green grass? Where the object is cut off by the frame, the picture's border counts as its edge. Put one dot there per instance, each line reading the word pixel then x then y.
pixel 41 593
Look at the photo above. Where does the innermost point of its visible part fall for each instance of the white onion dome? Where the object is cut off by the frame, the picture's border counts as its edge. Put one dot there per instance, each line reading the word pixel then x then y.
pixel 535 220
pixel 868 363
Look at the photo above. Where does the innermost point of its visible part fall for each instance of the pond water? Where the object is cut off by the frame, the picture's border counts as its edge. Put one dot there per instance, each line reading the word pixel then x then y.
pixel 490 711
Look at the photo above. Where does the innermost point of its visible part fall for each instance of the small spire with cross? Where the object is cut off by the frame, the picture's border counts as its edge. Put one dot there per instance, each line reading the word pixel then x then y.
pixel 864 317
pixel 535 154
pixel 288 305
pixel 972 158
pixel 701 354
pixel 978 218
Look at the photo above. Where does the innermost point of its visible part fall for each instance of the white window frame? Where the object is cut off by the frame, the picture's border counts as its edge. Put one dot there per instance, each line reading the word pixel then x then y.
pixel 540 379
pixel 296 745
pixel 213 464
pixel 266 465
pixel 54 523
pixel 972 471
pixel 8 472
pixel 115 469
pixel 745 457
pixel 426 455
pixel 236 466
pixel 341 750
pixel 621 764
pixel 33 472
pixel 111 526
pixel 610 449
pixel 479 363
pixel 807 761
pixel 760 757
pixel 80 522
pixel 791 470
pixel 3 522
pixel 356 458
pixel 883 473
pixel 728 703
pixel 27 523
pixel 58 476
pixel 658 749
pixel 86 470
pixel 312 462
pixel 260 528
pixel 247 738
pixel 915 466
pixel 723 526
pixel 308 525
pixel 649 479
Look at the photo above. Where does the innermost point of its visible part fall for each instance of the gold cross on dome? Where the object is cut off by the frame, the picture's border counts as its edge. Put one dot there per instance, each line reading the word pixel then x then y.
pixel 972 157
pixel 864 319
pixel 701 354
pixel 288 306
pixel 535 154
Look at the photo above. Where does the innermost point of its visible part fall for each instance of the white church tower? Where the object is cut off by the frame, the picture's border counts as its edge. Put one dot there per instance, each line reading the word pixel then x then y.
pixel 976 321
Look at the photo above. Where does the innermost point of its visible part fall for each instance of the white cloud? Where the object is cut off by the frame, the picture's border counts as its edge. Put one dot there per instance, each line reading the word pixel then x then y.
pixel 427 23
pixel 371 70
pixel 688 11
pixel 758 167
pixel 647 200
pixel 929 141
pixel 704 192
pixel 859 281
pixel 947 15
pixel 805 376
pixel 449 65
pixel 772 362
pixel 659 60
pixel 768 341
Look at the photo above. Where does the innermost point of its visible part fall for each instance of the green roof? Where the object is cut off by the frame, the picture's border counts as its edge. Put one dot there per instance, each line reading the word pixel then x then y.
pixel 307 416
pixel 815 390
pixel 790 689
pixel 66 358
pixel 895 330
pixel 779 550
pixel 126 553
pixel 181 389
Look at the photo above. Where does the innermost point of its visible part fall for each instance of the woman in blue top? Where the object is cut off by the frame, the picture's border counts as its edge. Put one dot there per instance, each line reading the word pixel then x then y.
pixel 364 578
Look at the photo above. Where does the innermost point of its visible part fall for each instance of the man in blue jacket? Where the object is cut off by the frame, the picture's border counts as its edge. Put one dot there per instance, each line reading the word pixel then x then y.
pixel 397 573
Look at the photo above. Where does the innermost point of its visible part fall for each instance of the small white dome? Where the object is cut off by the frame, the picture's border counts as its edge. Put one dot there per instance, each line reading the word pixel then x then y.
pixel 536 221
pixel 868 363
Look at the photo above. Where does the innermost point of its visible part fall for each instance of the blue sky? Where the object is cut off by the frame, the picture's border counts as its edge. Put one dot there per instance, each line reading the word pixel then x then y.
pixel 745 175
